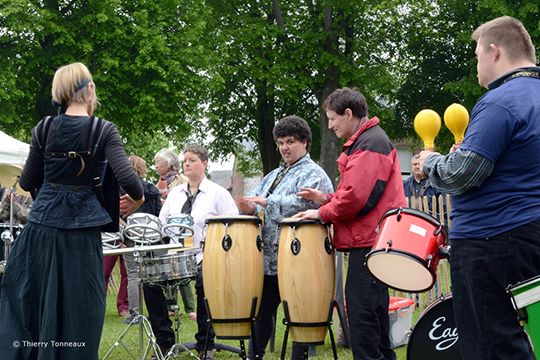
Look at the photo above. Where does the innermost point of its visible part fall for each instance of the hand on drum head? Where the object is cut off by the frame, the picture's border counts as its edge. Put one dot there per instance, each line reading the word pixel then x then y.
pixel 244 206
pixel 313 195
pixel 128 205
pixel 307 215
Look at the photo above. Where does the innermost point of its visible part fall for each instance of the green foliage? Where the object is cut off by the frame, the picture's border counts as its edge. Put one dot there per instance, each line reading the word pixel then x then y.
pixel 150 70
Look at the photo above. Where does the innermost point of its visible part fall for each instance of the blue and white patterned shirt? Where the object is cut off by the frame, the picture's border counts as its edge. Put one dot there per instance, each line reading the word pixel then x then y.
pixel 284 203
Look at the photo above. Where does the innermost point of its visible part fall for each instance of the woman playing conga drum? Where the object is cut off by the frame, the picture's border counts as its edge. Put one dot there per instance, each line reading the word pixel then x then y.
pixel 275 199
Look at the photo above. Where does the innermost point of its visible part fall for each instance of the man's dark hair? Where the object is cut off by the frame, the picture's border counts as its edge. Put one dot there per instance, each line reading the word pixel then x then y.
pixel 293 126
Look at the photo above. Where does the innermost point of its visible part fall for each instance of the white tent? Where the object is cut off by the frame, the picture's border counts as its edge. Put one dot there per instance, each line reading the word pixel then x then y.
pixel 12 151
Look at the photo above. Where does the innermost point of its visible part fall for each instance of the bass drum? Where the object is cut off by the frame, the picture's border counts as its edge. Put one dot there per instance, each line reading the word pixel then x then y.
pixel 435 334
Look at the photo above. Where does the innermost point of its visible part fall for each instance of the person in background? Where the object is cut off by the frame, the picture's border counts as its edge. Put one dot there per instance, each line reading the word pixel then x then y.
pixel 494 181
pixel 152 205
pixel 53 289
pixel 417 186
pixel 21 206
pixel 122 299
pixel 167 166
pixel 275 199
pixel 370 185
pixel 200 198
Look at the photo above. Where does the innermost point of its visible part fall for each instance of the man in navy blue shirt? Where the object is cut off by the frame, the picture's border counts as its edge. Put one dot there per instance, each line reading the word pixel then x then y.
pixel 494 180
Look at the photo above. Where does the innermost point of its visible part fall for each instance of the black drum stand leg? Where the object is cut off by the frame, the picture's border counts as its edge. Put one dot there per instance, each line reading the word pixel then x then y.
pixel 333 304
pixel 287 322
pixel 242 352
pixel 209 321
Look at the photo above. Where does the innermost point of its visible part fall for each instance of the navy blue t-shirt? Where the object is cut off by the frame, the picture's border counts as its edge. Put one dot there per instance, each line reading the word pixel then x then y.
pixel 505 128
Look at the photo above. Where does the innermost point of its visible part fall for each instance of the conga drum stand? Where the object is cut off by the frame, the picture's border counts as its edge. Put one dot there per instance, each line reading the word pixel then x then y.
pixel 251 320
pixel 288 323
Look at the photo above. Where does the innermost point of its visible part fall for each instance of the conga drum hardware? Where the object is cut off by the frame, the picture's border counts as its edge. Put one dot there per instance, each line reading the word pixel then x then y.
pixel 306 278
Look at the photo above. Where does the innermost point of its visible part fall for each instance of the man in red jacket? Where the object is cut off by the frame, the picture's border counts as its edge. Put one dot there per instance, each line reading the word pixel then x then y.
pixel 370 185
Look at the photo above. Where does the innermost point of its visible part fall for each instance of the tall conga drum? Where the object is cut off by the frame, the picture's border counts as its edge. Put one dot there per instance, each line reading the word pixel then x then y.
pixel 306 277
pixel 233 273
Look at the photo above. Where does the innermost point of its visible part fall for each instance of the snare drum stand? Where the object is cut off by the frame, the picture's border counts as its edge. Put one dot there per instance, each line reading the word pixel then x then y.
pixel 288 323
pixel 141 320
pixel 170 294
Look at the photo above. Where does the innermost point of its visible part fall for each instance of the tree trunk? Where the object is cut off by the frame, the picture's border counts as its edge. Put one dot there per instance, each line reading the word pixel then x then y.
pixel 330 144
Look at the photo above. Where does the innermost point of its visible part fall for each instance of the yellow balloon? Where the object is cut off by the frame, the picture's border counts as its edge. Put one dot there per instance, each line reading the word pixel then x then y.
pixel 456 118
pixel 427 125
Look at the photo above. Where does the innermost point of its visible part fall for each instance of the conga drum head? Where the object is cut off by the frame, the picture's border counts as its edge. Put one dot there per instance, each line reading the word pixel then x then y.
pixel 405 255
pixel 435 336
pixel 232 219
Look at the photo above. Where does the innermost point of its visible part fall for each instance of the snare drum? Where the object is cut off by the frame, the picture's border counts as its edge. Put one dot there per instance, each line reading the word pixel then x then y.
pixel 435 336
pixel 233 273
pixel 407 250
pixel 143 228
pixel 169 267
pixel 526 300
pixel 306 277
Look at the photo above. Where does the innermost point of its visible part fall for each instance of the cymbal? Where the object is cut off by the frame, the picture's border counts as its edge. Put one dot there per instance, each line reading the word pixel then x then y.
pixel 8 177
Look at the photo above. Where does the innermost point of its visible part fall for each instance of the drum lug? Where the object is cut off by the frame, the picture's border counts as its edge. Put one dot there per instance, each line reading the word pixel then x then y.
pixel 226 243
pixel 260 243
pixel 328 246
pixel 388 245
pixel 444 252
pixel 429 258
pixel 295 246
pixel 398 216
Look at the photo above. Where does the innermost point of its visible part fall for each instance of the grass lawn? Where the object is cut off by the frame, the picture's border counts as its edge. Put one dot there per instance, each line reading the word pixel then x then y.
pixel 114 328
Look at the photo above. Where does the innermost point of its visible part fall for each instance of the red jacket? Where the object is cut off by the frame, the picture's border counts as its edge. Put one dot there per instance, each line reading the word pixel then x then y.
pixel 370 185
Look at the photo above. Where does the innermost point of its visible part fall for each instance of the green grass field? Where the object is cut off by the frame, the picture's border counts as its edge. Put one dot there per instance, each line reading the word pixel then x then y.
pixel 114 328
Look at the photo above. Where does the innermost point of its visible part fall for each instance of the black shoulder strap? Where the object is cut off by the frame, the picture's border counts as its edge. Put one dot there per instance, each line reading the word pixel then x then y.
pixel 92 152
pixel 45 124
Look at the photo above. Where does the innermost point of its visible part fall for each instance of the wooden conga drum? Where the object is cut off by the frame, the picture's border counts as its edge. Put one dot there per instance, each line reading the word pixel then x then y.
pixel 306 277
pixel 233 272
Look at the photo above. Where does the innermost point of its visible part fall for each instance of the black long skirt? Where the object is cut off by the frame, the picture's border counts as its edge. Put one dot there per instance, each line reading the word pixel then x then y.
pixel 53 295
